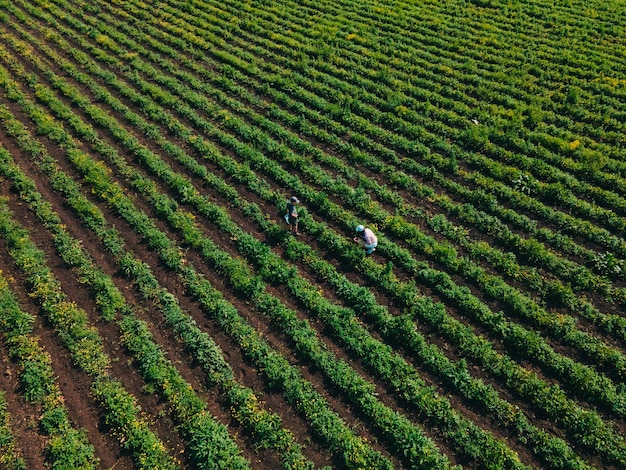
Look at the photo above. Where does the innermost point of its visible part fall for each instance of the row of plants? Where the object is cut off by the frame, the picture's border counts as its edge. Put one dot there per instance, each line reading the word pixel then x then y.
pixel 341 440
pixel 10 455
pixel 359 97
pixel 185 192
pixel 590 346
pixel 119 408
pixel 485 201
pixel 264 426
pixel 67 447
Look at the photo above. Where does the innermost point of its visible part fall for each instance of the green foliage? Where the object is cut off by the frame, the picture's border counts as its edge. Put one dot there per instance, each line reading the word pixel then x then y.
pixel 476 137
pixel 37 378
pixel 9 456
pixel 592 161
pixel 70 450
pixel 533 115
pixel 377 106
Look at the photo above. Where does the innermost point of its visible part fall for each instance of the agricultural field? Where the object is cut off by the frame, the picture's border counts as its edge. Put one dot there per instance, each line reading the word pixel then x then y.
pixel 156 311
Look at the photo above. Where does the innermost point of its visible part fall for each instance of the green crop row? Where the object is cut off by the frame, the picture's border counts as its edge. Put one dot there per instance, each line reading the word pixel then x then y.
pixel 312 99
pixel 336 90
pixel 10 456
pixel 355 452
pixel 187 192
pixel 525 308
pixel 67 447
pixel 247 409
pixel 120 410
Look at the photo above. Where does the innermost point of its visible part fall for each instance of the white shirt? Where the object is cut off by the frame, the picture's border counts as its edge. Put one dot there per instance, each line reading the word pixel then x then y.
pixel 368 237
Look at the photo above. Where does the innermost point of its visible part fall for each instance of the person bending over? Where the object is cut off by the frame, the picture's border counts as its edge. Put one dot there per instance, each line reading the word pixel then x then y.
pixel 366 238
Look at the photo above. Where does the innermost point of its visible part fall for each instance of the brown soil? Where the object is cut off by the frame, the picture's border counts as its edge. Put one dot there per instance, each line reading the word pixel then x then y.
pixel 75 385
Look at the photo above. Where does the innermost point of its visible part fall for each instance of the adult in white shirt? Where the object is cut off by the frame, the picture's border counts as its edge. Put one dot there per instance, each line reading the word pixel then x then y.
pixel 366 238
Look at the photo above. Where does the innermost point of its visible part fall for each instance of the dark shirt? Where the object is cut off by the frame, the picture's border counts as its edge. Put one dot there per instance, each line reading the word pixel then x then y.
pixel 291 210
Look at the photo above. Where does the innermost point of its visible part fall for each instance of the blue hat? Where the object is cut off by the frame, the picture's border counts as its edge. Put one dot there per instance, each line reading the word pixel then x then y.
pixel 360 228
